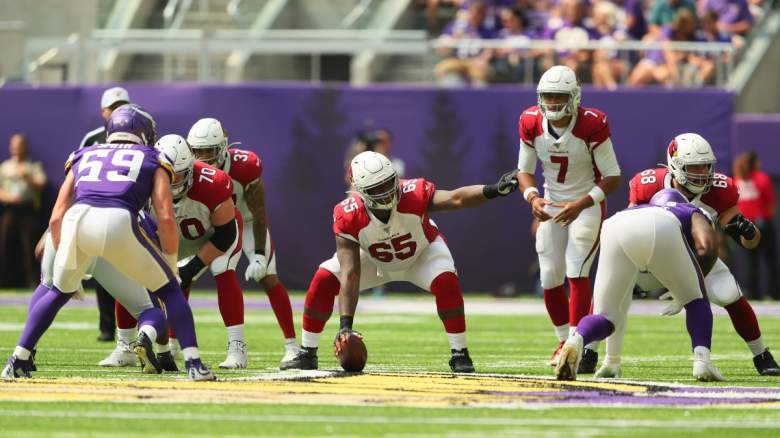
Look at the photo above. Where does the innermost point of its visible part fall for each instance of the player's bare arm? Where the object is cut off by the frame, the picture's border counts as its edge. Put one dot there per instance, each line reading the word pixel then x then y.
pixel 472 196
pixel 706 242
pixel 527 186
pixel 348 253
pixel 570 210
pixel 255 201
pixel 63 203
pixel 740 228
pixel 162 201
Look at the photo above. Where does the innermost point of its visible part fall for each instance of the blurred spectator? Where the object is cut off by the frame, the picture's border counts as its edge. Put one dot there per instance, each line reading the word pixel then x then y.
pixel 635 21
pixel 705 62
pixel 664 11
pixel 757 203
pixel 508 64
pixel 21 183
pixel 467 62
pixel 570 28
pixel 432 10
pixel 668 67
pixel 734 17
pixel 377 140
pixel 608 68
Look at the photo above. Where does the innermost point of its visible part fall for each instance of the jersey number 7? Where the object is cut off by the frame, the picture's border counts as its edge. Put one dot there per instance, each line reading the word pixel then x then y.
pixel 564 166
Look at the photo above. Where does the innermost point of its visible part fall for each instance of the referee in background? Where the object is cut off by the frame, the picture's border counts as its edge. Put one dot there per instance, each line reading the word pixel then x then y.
pixel 112 99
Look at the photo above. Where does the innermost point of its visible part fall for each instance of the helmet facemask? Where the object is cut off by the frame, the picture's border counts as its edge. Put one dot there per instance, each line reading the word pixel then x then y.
pixel 555 111
pixel 211 155
pixel 181 183
pixel 381 196
pixel 697 182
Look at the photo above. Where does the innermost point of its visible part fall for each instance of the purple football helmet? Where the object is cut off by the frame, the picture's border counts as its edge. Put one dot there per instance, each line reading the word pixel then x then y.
pixel 665 196
pixel 131 124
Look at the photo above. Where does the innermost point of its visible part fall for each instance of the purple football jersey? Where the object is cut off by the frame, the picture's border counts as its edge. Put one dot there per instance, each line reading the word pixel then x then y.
pixel 116 175
pixel 683 213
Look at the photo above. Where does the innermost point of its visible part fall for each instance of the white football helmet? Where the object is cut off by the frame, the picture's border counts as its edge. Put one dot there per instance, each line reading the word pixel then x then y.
pixel 209 142
pixel 375 180
pixel 177 150
pixel 691 149
pixel 559 80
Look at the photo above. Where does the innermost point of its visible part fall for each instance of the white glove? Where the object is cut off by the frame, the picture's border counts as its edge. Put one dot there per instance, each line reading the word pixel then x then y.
pixel 257 268
pixel 673 308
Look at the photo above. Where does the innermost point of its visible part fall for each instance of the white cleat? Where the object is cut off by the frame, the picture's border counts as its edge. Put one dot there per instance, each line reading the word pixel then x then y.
pixel 608 371
pixel 175 348
pixel 569 361
pixel 122 356
pixel 290 351
pixel 703 368
pixel 236 355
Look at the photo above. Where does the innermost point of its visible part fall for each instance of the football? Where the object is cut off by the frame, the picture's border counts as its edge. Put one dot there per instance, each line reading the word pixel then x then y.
pixel 351 352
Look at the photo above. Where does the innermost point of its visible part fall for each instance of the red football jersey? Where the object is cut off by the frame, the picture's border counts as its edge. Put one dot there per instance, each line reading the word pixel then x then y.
pixel 720 197
pixel 245 166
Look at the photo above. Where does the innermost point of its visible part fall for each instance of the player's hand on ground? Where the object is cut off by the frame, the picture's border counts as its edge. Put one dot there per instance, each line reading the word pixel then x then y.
pixel 257 269
pixel 341 339
pixel 673 307
pixel 537 208
pixel 569 212
pixel 507 183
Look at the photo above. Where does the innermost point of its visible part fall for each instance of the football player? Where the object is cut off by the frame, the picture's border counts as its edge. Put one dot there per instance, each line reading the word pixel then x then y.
pixel 580 169
pixel 669 237
pixel 690 170
pixel 383 234
pixel 209 228
pixel 209 143
pixel 95 216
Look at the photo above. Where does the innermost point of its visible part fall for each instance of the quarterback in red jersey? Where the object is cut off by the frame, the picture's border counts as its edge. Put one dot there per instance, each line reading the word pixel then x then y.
pixel 383 234
pixel 209 143
pixel 690 170
pixel 580 168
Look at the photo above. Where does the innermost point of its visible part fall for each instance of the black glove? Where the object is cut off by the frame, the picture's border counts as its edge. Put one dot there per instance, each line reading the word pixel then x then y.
pixel 505 185
pixel 741 226
pixel 189 271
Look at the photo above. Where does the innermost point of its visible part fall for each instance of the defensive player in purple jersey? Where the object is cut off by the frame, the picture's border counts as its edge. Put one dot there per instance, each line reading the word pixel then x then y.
pixel 671 239
pixel 95 216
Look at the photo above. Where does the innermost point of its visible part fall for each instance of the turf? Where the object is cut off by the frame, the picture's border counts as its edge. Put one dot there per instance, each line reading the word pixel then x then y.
pixel 656 349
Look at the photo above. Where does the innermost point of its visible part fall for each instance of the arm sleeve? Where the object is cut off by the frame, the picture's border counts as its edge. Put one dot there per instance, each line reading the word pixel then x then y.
pixel 526 161
pixel 605 159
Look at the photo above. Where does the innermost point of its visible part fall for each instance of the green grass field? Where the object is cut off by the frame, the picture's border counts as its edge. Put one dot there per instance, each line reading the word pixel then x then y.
pixel 72 396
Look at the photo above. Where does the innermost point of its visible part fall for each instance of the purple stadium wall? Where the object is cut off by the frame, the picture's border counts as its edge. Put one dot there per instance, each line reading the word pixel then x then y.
pixel 452 137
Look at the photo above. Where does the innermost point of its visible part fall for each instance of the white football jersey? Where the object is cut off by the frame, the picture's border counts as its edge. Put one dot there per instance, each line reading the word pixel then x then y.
pixel 568 166
pixel 394 245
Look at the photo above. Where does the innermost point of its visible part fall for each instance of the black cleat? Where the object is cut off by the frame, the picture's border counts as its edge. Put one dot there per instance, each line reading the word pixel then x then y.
pixel 166 362
pixel 306 359
pixel 460 362
pixel 766 365
pixel 143 349
pixel 106 337
pixel 588 361
pixel 32 359
pixel 16 367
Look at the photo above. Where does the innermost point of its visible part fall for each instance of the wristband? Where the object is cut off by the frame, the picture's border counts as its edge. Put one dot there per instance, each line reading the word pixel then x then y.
pixel 345 322
pixel 597 194
pixel 528 191
pixel 490 191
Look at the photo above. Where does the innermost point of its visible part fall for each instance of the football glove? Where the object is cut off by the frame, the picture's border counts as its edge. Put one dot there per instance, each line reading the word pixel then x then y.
pixel 673 307
pixel 740 226
pixel 505 185
pixel 257 269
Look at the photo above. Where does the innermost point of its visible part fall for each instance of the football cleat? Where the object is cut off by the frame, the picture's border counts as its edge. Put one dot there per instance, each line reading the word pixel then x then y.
pixel 197 371
pixel 121 356
pixel 588 362
pixel 17 368
pixel 460 362
pixel 765 364
pixel 236 355
pixel 142 347
pixel 569 360
pixel 556 354
pixel 703 368
pixel 290 351
pixel 608 371
pixel 306 359
pixel 32 359
pixel 167 363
